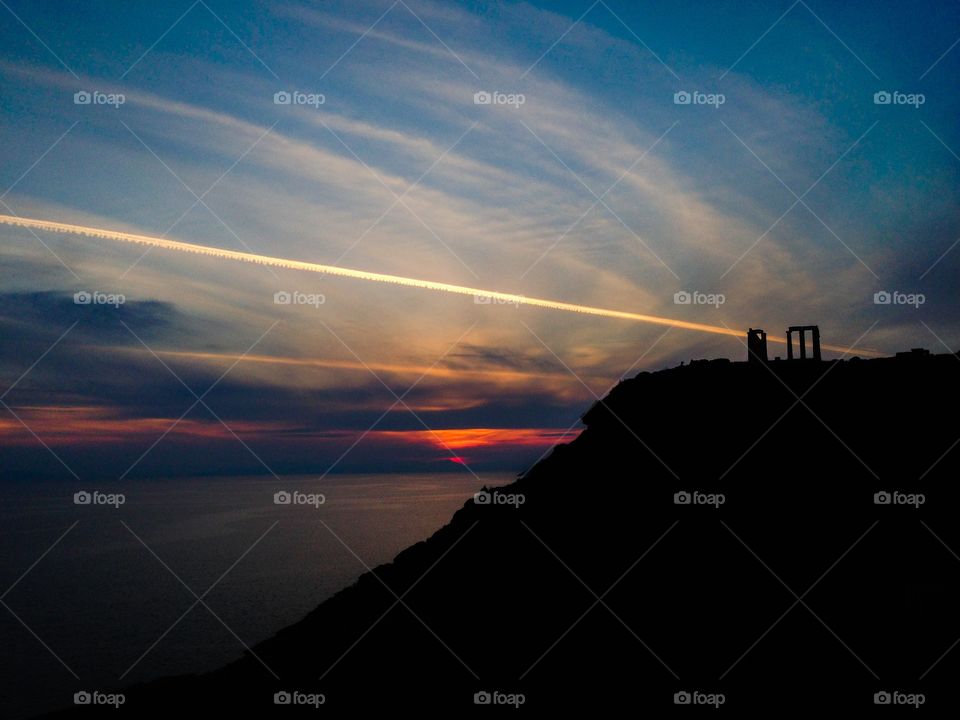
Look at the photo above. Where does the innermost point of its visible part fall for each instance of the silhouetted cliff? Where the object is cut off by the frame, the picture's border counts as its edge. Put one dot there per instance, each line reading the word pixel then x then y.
pixel 785 580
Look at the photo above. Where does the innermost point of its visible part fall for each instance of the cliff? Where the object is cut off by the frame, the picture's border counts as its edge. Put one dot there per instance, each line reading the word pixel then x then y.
pixel 782 534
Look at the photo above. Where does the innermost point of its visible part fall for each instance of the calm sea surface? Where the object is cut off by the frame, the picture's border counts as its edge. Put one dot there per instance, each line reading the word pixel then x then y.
pixel 109 598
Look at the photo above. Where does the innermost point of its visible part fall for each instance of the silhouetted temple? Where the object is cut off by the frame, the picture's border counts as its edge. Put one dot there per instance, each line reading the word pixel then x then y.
pixel 757 343
pixel 802 329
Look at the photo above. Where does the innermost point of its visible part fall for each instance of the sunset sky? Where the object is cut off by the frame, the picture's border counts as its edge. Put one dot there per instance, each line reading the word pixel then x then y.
pixel 787 188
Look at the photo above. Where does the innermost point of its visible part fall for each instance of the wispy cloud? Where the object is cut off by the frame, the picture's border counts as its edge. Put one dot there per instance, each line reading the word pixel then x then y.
pixel 596 190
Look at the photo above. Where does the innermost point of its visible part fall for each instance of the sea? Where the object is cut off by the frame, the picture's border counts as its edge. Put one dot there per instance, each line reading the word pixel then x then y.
pixel 100 583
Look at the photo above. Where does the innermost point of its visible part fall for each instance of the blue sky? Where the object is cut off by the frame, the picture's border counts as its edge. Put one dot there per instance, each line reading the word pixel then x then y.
pixel 797 198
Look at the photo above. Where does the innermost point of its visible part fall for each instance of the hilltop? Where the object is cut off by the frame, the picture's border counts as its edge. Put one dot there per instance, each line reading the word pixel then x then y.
pixel 781 533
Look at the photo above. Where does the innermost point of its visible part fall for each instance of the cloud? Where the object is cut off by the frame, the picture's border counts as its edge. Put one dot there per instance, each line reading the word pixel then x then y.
pixel 502 200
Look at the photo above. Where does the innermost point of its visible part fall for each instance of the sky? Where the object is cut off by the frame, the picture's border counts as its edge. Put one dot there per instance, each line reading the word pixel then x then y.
pixel 732 164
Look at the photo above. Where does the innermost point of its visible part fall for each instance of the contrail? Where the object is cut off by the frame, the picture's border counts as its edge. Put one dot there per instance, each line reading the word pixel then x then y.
pixel 500 297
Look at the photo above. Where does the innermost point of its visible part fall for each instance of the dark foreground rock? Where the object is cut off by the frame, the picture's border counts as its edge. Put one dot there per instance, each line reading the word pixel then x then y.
pixel 828 573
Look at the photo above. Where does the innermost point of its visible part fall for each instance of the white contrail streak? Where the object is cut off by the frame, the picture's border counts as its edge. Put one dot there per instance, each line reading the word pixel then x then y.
pixel 500 297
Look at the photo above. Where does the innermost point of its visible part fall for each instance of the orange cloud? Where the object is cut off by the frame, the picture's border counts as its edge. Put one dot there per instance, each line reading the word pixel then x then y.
pixel 473 438
pixel 411 370
pixel 95 425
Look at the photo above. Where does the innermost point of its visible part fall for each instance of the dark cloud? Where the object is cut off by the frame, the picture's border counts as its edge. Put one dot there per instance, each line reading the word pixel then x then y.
pixel 34 316
pixel 101 365
pixel 498 357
